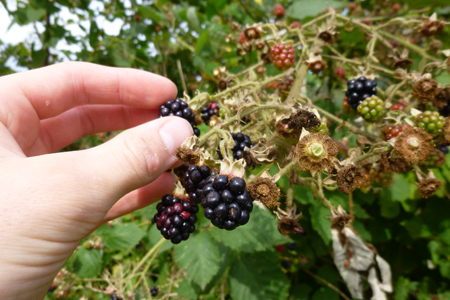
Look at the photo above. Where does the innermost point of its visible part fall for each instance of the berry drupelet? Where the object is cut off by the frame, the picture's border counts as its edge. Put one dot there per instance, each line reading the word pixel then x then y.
pixel 180 109
pixel 371 109
pixel 209 110
pixel 175 218
pixel 398 106
pixel 240 142
pixel 195 181
pixel 435 159
pixel 430 121
pixel 443 148
pixel 283 56
pixel 392 131
pixel 445 110
pixel 154 291
pixel 227 202
pixel 360 89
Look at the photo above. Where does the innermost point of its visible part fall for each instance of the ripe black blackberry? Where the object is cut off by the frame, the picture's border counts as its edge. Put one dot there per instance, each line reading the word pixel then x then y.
pixel 114 297
pixel 195 181
pixel 176 218
pixel 227 202
pixel 443 148
pixel 209 110
pixel 154 291
pixel 360 89
pixel 286 263
pixel 292 246
pixel 240 142
pixel 445 110
pixel 180 109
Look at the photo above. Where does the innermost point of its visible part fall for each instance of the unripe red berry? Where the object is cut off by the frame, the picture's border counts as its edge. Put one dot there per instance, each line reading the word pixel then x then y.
pixel 280 248
pixel 242 39
pixel 295 24
pixel 278 10
pixel 396 7
pixel 340 72
pixel 352 6
pixel 283 56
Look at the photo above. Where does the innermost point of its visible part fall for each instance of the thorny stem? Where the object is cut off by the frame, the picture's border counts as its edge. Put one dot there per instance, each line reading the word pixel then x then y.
pixel 326 283
pixel 350 203
pixel 290 195
pixel 287 168
pixel 301 72
pixel 252 110
pixel 372 153
pixel 320 191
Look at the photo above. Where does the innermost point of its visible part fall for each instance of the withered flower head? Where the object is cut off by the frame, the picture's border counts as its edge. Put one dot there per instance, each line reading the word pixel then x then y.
pixel 247 46
pixel 327 37
pixel 260 44
pixel 349 178
pixel 435 45
pixel 235 26
pixel 432 27
pixel 316 152
pixel 285 131
pixel 402 63
pixel 425 89
pixel 264 190
pixel 260 70
pixel 339 218
pixel 287 225
pixel 414 144
pixel 442 97
pixel 428 187
pixel 399 165
pixel 265 56
pixel 447 129
pixel 223 84
pixel 187 155
pixel 240 51
pixel 229 38
pixel 303 119
pixel 252 33
pixel 317 66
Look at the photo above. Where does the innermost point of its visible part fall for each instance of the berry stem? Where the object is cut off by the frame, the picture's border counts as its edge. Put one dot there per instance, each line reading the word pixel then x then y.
pixel 326 283
pixel 148 255
pixel 301 71
pixel 372 153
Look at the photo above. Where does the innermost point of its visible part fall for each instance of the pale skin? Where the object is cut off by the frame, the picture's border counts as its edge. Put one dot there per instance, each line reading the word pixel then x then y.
pixel 50 201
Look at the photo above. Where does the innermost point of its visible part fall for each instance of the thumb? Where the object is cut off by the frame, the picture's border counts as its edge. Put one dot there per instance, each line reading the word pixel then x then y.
pixel 137 156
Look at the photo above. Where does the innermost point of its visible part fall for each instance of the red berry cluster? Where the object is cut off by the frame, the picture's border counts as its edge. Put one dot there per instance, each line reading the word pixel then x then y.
pixel 398 106
pixel 272 86
pixel 283 56
pixel 176 218
pixel 209 110
pixel 278 10
pixel 392 131
pixel 285 85
pixel 340 72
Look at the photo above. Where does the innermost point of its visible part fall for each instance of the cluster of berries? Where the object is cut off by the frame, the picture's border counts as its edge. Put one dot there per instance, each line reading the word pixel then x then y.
pixel 392 131
pixel 381 178
pixel 195 180
pixel 360 89
pixel 227 202
pixel 430 121
pixel 443 148
pixel 283 56
pixel 175 218
pixel 371 109
pixel 154 291
pixel 180 109
pixel 240 142
pixel 435 159
pixel 322 128
pixel 211 109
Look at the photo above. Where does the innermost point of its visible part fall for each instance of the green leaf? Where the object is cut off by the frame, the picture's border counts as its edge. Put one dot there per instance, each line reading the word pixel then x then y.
pixel 38 58
pixel 325 293
pixel 93 34
pixel 88 262
pixel 320 223
pixel 301 291
pixel 189 290
pixel 401 189
pixel 444 268
pixel 199 256
pixel 122 237
pixel 259 234
pixel 202 40
pixel 309 8
pixel 389 208
pixel 34 14
pixel 255 277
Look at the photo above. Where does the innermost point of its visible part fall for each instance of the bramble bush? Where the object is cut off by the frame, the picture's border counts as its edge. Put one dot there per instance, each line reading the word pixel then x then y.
pixel 323 131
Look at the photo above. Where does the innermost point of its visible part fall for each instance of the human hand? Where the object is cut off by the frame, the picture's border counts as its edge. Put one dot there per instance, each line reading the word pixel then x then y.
pixel 49 202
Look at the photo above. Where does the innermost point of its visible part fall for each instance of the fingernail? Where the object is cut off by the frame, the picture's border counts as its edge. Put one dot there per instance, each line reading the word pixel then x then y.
pixel 174 132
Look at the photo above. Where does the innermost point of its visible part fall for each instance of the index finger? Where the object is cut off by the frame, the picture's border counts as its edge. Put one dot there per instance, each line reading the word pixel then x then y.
pixel 55 89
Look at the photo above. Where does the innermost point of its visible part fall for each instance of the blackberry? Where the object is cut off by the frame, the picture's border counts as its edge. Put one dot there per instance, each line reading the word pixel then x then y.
pixel 430 121
pixel 114 297
pixel 180 109
pixel 393 131
pixel 292 246
pixel 435 159
pixel 445 110
pixel 371 108
pixel 360 89
pixel 209 110
pixel 195 180
pixel 227 202
pixel 154 291
pixel 443 148
pixel 175 218
pixel 278 10
pixel 286 263
pixel 283 56
pixel 240 142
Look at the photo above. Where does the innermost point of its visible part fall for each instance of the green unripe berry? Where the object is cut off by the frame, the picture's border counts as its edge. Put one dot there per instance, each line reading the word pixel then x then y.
pixel 430 121
pixel 371 109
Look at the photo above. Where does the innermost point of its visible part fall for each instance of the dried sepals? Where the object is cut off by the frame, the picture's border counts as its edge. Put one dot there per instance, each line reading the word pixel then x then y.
pixel 432 27
pixel 316 152
pixel 393 164
pixel 425 89
pixel 288 225
pixel 283 129
pixel 413 144
pixel 303 119
pixel 327 36
pixel 187 155
pixel 427 187
pixel 317 66
pixel 446 129
pixel 264 190
pixel 442 97
pixel 402 63
pixel 349 178
pixel 252 32
pixel 259 154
